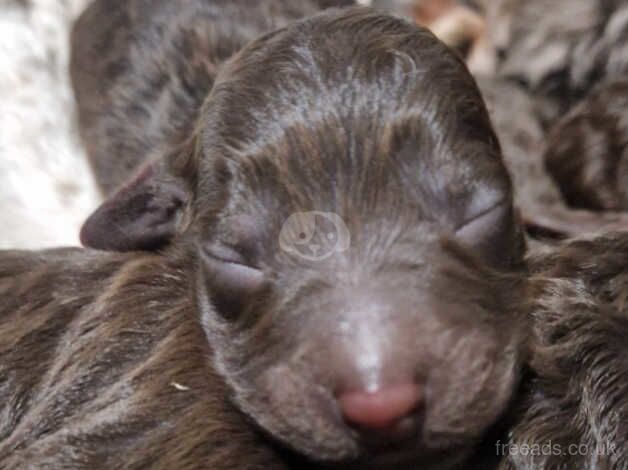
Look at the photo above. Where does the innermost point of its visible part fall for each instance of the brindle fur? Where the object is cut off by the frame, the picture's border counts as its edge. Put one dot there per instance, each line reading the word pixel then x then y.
pixel 559 57
pixel 373 119
pixel 580 162
pixel 390 133
pixel 103 364
pixel 142 68
pixel 575 397
pixel 587 151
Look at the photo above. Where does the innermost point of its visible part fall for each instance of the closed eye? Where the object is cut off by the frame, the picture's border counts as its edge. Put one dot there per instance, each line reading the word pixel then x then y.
pixel 231 271
pixel 487 223
pixel 226 254
pixel 232 281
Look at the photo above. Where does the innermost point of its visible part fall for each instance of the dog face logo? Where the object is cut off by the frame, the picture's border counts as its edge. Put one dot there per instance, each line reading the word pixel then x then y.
pixel 314 235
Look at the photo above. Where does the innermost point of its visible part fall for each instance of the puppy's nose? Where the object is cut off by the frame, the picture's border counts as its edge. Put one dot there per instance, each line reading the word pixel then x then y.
pixel 381 409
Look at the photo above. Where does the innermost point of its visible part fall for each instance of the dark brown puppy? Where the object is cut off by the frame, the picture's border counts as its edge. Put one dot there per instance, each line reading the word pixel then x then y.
pixel 587 151
pixel 142 68
pixel 357 268
pixel 574 409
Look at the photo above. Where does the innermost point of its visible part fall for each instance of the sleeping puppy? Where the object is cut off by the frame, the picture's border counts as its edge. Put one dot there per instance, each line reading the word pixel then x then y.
pixel 356 265
pixel 337 278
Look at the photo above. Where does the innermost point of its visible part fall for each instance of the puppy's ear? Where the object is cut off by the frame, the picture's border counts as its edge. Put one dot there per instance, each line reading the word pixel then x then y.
pixel 144 214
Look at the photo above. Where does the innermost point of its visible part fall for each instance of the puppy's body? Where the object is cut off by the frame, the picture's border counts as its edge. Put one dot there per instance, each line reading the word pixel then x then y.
pixel 103 364
pixel 587 151
pixel 582 159
pixel 560 60
pixel 573 409
pixel 401 347
pixel 141 70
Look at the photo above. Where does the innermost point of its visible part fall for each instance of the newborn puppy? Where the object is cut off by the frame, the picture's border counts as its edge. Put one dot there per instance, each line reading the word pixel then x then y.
pixel 357 266
pixel 570 160
pixel 587 151
pixel 573 411
pixel 559 49
pixel 141 70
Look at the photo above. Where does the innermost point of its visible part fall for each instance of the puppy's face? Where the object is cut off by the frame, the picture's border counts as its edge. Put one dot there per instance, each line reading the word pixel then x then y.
pixel 358 258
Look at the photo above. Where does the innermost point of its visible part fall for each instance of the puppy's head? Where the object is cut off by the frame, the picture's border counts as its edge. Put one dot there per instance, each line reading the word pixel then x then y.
pixel 358 261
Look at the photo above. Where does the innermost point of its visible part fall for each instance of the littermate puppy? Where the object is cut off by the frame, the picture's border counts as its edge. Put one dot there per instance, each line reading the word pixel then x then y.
pixel 581 160
pixel 587 151
pixel 336 260
pixel 141 70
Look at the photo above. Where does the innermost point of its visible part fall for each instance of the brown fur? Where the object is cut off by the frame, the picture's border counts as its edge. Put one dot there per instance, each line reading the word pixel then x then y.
pixel 371 119
pixel 104 365
pixel 587 151
pixel 574 403
pixel 141 70
pixel 454 22
pixel 583 155
pixel 559 49
pixel 153 360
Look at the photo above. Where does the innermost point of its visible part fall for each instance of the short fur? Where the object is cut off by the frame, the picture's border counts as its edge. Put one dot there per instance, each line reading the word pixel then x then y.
pixel 154 359
pixel 141 70
pixel 559 49
pixel 583 155
pixel 574 404
pixel 587 151
pixel 370 119
pixel 103 364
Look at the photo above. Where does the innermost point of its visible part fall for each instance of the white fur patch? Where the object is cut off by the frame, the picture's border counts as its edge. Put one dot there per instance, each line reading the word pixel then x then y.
pixel 46 186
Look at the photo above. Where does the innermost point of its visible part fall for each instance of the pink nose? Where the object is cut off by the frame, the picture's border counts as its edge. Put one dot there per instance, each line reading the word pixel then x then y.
pixel 382 408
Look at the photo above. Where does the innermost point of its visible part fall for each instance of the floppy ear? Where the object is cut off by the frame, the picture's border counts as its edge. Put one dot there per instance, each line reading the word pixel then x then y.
pixel 141 215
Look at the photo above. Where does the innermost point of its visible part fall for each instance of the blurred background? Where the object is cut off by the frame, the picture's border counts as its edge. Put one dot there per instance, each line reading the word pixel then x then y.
pixel 552 73
pixel 46 188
